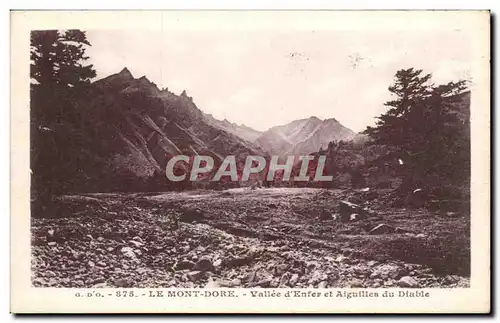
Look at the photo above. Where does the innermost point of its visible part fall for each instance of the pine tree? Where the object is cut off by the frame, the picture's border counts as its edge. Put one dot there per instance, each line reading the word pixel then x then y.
pixel 58 58
pixel 410 89
pixel 59 79
pixel 421 129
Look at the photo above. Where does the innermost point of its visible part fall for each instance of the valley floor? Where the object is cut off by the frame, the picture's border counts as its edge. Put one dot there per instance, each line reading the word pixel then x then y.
pixel 274 237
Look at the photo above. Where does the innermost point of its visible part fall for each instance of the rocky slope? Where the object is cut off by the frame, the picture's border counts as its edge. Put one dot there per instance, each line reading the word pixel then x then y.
pixel 141 127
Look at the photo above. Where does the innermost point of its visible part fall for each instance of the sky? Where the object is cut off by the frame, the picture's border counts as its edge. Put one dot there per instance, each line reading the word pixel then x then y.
pixel 263 78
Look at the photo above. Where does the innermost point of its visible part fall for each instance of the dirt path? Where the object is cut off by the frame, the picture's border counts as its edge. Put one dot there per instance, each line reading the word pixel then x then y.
pixel 242 238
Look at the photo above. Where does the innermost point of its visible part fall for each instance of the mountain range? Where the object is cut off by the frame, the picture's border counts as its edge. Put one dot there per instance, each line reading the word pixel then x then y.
pixel 134 128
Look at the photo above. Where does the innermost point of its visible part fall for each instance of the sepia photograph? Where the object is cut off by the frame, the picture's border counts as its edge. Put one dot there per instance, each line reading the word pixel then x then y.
pixel 269 158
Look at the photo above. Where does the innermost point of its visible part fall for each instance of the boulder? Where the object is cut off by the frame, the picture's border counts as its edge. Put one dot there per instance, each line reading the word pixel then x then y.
pixel 129 253
pixel 324 216
pixel 136 244
pixel 285 278
pixel 370 195
pixel 323 284
pixel 293 280
pixel 386 271
pixel 408 281
pixel 122 282
pixel 192 215
pixel 212 284
pixel 184 264
pixel 195 275
pixel 355 283
pixel 416 199
pixel 354 217
pixel 229 283
pixel 204 264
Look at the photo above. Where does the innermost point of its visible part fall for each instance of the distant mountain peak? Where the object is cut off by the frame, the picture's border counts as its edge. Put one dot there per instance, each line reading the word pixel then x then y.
pixel 303 136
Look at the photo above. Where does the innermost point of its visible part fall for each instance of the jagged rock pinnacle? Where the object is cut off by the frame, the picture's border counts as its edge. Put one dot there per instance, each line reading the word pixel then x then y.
pixel 126 73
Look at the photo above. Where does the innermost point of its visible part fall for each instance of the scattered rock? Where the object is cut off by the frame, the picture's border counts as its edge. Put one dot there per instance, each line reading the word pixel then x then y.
pixel 49 273
pixel 184 264
pixel 323 284
pixel 217 262
pixel 354 217
pixel 385 271
pixel 98 280
pixel 416 199
pixel 355 283
pixel 450 280
pixel 195 275
pixel 266 282
pixel 341 258
pixel 75 255
pixel 136 244
pixel 128 252
pixel 204 264
pixel 382 229
pixel 370 195
pixel 408 281
pixel 285 278
pixel 210 254
pixel 347 208
pixel 122 282
pixel 192 215
pixel 212 284
pixel 230 283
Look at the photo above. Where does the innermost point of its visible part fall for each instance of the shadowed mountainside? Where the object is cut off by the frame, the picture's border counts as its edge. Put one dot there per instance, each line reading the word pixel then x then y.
pixel 140 127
